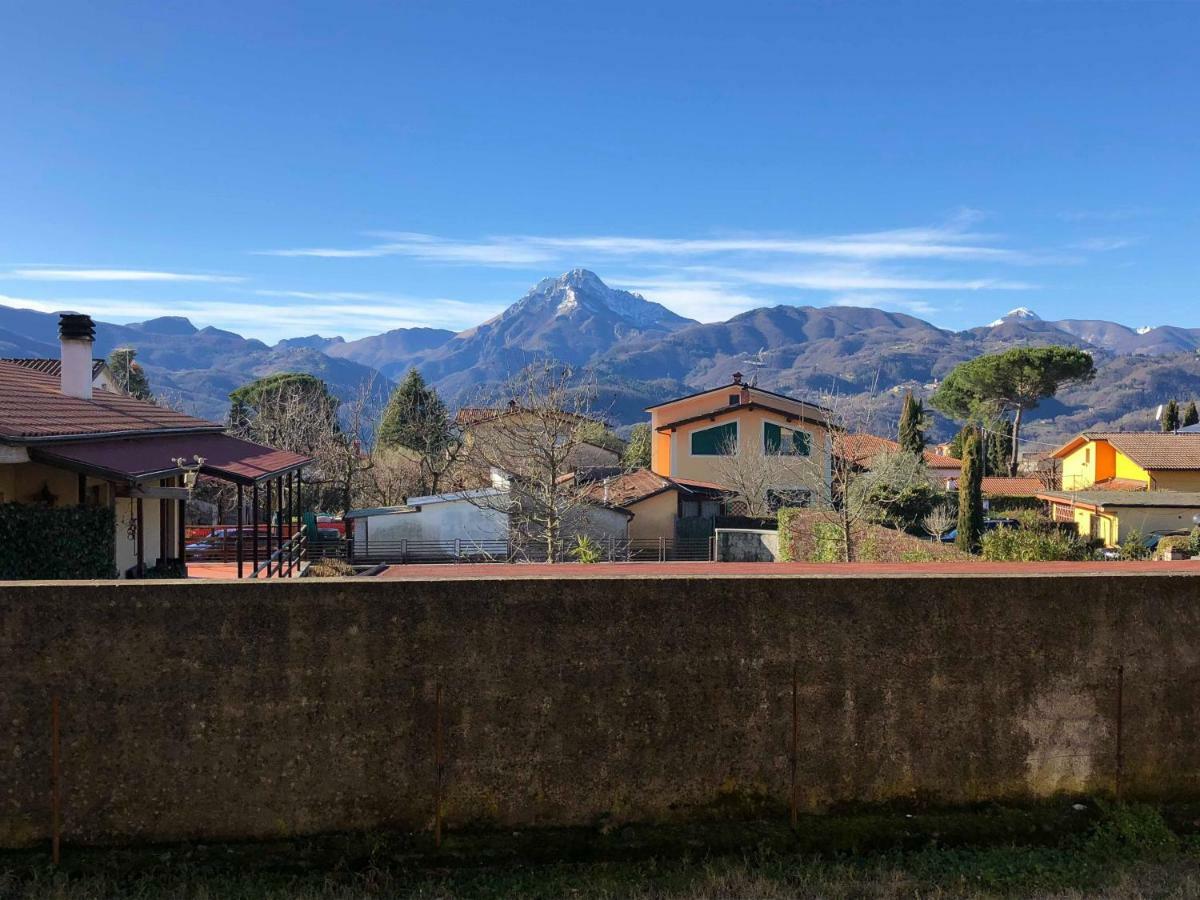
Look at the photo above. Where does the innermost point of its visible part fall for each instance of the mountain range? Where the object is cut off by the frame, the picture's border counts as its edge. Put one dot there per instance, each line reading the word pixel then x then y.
pixel 642 352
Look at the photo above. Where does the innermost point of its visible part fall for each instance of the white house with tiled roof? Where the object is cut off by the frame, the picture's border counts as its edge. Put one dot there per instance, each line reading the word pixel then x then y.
pixel 64 441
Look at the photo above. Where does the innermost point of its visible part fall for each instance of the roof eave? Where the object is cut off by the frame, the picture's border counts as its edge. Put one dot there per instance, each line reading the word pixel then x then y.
pixel 77 438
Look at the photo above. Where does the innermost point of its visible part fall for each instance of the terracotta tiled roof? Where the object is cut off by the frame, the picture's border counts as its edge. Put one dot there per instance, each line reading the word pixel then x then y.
pixel 33 408
pixel 1002 486
pixel 1155 450
pixel 1149 449
pixel 938 461
pixel 629 487
pixel 862 448
pixel 49 366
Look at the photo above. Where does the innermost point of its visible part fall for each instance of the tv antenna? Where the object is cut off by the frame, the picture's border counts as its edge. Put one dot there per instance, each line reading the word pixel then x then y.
pixel 755 362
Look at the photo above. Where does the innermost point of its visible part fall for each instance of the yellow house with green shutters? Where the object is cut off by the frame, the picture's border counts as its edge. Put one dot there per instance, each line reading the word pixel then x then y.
pixel 1131 461
pixel 693 437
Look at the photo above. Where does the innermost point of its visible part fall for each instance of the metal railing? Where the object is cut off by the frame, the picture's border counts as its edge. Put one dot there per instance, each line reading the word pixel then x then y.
pixel 467 550
pixel 287 561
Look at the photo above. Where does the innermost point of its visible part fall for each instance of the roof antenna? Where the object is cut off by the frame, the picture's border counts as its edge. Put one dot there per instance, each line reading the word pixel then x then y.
pixel 756 363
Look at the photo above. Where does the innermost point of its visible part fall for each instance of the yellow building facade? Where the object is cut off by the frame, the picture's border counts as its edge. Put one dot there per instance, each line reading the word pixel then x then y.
pixel 1131 460
pixel 694 437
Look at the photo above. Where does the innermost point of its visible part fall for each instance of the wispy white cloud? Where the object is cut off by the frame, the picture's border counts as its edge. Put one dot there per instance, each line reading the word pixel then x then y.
pixel 703 300
pixel 349 314
pixel 946 242
pixel 888 301
pixel 1117 214
pixel 1103 244
pixel 858 278
pixel 79 274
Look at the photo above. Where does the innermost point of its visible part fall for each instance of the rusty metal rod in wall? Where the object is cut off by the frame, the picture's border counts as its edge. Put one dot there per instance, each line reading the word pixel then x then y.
pixel 794 799
pixel 55 788
pixel 1120 731
pixel 439 765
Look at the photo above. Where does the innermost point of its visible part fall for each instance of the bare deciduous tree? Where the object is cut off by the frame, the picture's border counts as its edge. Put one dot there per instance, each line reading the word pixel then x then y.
pixel 530 437
pixel 298 413
pixel 940 520
pixel 853 489
pixel 393 476
pixel 756 481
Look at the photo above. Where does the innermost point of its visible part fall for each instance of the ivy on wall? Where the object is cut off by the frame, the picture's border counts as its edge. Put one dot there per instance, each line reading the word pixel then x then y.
pixel 56 542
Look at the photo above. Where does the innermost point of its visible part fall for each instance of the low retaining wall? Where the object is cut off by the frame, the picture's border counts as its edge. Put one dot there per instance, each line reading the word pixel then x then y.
pixel 747 545
pixel 255 710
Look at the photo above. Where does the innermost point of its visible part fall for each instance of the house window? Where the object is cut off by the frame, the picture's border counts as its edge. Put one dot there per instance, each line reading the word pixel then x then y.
pixel 716 441
pixel 735 399
pixel 779 440
pixel 1087 455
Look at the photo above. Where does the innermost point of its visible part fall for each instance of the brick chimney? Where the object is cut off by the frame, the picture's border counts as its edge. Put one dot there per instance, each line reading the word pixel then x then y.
pixel 76 333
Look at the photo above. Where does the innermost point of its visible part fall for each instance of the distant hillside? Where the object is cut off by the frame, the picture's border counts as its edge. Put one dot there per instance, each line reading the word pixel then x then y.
pixel 391 352
pixel 193 368
pixel 642 353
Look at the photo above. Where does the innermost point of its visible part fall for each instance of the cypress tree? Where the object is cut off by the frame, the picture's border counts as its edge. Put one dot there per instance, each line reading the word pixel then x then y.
pixel 999 448
pixel 1190 415
pixel 912 436
pixel 970 495
pixel 1170 418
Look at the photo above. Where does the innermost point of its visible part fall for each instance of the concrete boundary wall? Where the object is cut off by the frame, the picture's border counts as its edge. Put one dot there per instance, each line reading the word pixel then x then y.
pixel 257 710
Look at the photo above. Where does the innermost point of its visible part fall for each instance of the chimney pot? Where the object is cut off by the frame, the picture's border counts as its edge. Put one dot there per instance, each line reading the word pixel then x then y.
pixel 76 333
pixel 737 377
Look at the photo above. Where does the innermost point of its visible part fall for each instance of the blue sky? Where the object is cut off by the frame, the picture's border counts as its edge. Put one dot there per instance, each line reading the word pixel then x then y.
pixel 281 169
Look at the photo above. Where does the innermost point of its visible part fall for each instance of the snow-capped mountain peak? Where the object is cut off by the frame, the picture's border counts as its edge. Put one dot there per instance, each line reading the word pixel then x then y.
pixel 582 291
pixel 1021 313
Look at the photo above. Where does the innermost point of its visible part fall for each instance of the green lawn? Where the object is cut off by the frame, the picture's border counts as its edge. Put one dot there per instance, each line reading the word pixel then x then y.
pixel 1126 852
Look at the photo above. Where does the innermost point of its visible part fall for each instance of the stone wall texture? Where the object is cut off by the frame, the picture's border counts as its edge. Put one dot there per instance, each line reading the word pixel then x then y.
pixel 243 710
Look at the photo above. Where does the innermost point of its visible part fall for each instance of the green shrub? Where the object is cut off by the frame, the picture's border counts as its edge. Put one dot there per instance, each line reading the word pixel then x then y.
pixel 1131 831
pixel 828 543
pixel 1134 546
pixel 1175 542
pixel 54 542
pixel 786 518
pixel 1194 545
pixel 586 550
pixel 1031 545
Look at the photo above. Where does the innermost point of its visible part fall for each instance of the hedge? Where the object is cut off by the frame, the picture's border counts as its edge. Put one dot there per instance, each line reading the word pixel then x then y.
pixel 52 542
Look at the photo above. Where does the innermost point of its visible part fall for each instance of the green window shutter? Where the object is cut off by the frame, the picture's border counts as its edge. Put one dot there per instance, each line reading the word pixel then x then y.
pixel 713 441
pixel 801 443
pixel 772 437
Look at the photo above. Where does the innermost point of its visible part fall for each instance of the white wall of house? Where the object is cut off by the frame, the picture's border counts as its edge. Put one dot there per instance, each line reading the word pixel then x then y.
pixel 125 509
pixel 438 520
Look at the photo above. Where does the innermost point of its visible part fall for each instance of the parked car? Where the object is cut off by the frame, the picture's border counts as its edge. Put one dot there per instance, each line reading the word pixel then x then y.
pixel 1150 541
pixel 221 537
pixel 988 525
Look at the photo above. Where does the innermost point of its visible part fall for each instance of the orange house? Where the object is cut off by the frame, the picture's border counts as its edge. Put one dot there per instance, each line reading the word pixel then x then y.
pixel 694 436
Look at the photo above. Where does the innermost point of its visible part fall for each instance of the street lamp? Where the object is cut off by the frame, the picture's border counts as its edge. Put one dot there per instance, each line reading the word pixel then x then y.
pixel 190 471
